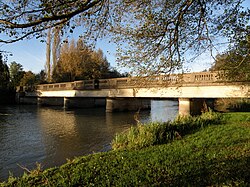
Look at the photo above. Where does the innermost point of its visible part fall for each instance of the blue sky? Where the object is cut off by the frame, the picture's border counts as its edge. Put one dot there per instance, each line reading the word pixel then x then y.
pixel 32 53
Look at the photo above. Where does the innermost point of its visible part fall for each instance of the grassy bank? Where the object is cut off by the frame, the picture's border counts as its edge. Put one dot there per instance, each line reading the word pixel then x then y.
pixel 207 156
pixel 141 136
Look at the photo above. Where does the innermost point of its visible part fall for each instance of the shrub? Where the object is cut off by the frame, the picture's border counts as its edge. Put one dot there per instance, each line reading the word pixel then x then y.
pixel 145 135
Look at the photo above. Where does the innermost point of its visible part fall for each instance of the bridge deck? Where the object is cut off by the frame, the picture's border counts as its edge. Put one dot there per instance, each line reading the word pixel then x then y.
pixel 190 85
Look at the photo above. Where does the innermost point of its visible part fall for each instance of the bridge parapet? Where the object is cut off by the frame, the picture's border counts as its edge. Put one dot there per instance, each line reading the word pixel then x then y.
pixel 135 82
pixel 205 77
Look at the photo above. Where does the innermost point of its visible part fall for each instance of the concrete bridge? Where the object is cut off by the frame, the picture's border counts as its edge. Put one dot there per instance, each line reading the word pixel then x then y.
pixel 191 89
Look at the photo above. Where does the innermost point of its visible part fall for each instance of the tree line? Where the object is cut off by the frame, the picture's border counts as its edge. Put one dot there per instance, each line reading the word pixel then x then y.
pixel 13 75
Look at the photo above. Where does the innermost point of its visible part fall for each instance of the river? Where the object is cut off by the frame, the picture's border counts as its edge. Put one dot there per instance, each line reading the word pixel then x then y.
pixel 49 135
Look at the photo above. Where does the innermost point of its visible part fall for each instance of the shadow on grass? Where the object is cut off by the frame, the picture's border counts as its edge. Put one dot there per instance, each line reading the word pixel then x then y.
pixel 215 172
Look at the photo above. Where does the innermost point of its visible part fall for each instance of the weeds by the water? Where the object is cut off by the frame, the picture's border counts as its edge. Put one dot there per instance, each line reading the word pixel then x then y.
pixel 240 105
pixel 144 135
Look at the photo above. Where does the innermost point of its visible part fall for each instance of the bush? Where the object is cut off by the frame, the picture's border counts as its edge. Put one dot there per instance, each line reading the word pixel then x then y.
pixel 145 135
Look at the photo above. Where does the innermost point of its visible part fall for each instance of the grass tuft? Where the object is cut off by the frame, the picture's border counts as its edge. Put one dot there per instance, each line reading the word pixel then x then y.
pixel 145 135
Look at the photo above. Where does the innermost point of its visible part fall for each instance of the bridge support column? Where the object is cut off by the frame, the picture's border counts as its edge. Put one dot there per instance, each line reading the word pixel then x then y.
pixel 194 106
pixel 126 104
pixel 39 101
pixel 184 106
pixel 66 102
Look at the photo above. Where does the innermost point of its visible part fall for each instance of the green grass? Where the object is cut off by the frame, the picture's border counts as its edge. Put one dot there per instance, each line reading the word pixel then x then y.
pixel 237 117
pixel 218 155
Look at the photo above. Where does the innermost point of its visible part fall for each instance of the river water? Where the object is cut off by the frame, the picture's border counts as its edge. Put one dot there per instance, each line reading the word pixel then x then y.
pixel 49 135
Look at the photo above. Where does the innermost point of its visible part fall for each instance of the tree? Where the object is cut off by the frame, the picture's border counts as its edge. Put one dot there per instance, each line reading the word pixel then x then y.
pixel 29 80
pixel 24 19
pixel 41 77
pixel 48 55
pixel 52 50
pixel 235 62
pixel 68 66
pixel 4 74
pixel 158 35
pixel 56 46
pixel 77 61
pixel 16 74
pixel 163 34
pixel 97 66
pixel 113 73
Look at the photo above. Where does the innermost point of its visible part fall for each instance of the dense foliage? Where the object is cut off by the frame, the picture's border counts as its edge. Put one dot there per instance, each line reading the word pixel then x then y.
pixel 234 63
pixel 13 75
pixel 158 36
pixel 4 74
pixel 217 155
pixel 16 74
pixel 7 94
pixel 29 79
pixel 77 61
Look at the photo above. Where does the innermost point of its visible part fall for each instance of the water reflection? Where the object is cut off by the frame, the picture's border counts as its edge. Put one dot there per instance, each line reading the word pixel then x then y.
pixel 20 139
pixel 29 134
pixel 67 134
pixel 163 110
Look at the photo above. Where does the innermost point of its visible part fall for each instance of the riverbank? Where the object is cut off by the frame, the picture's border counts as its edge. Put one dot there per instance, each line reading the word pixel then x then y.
pixel 217 154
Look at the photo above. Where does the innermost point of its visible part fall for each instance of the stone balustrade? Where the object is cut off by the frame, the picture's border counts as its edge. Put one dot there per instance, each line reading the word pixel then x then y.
pixel 132 82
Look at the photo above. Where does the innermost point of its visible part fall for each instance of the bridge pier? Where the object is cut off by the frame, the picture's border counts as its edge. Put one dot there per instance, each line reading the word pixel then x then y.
pixel 127 104
pixel 184 106
pixel 194 106
pixel 66 102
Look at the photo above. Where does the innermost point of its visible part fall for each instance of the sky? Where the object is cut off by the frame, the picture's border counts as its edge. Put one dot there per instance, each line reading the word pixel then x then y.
pixel 32 54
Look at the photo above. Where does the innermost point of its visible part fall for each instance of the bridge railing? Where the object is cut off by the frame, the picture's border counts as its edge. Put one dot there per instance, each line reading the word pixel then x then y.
pixel 131 82
pixel 203 77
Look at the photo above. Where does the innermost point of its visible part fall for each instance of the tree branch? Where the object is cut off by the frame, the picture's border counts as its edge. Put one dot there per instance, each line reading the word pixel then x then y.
pixel 33 32
pixel 83 8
